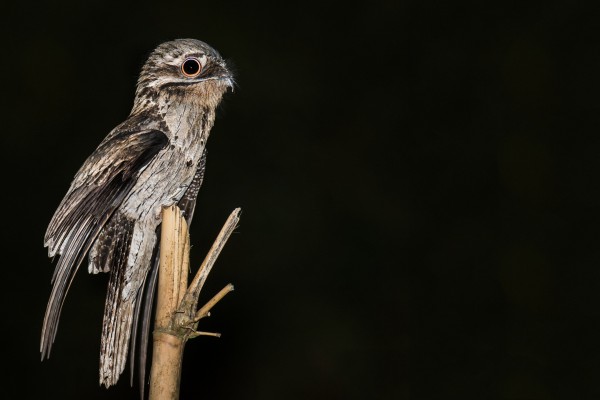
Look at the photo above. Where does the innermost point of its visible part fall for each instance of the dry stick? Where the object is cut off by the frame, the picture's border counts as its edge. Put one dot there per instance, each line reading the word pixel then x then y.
pixel 176 315
pixel 205 310
pixel 190 300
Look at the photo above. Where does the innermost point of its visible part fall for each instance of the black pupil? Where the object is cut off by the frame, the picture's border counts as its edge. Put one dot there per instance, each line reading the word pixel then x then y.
pixel 191 67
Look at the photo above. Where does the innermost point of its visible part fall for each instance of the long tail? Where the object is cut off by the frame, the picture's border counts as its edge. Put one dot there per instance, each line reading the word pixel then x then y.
pixel 129 256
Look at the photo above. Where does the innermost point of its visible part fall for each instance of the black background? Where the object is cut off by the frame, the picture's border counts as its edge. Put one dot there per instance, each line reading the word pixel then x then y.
pixel 418 182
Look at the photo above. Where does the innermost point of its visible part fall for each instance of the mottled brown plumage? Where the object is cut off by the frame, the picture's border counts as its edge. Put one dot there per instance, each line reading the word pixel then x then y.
pixel 112 210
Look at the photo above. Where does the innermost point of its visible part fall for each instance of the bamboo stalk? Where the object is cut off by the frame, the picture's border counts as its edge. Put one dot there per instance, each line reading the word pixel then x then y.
pixel 176 314
pixel 165 374
pixel 167 353
pixel 172 280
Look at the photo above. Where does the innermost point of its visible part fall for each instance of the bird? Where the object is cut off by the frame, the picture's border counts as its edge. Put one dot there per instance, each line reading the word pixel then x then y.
pixel 112 210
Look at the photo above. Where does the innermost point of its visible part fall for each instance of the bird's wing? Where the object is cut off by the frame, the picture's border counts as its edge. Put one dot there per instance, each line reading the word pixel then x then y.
pixel 187 203
pixel 99 187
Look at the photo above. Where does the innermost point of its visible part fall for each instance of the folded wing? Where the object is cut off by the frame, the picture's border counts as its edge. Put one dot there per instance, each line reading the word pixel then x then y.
pixel 99 187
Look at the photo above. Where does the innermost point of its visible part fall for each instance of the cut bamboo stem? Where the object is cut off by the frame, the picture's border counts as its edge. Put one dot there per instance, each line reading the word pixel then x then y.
pixel 172 281
pixel 176 306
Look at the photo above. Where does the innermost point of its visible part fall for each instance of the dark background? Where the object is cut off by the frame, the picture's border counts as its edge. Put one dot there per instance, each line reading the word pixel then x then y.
pixel 418 183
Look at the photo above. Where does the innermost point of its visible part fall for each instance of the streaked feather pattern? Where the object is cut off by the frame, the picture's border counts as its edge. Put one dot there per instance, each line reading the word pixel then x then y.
pixel 97 190
pixel 112 210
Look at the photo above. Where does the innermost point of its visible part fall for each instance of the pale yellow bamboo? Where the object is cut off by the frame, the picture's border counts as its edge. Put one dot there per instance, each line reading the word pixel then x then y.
pixel 168 346
pixel 165 374
pixel 176 314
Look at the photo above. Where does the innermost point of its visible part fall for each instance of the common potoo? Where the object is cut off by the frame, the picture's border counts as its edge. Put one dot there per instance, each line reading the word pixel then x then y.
pixel 113 208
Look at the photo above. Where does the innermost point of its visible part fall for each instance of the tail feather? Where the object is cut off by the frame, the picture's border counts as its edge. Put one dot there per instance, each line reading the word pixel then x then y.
pixel 112 254
pixel 105 248
pixel 127 276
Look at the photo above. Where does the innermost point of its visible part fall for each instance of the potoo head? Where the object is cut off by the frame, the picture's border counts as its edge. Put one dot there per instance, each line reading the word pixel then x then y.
pixel 185 68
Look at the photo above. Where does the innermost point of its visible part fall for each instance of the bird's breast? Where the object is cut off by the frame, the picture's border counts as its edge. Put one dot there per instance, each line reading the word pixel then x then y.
pixel 164 181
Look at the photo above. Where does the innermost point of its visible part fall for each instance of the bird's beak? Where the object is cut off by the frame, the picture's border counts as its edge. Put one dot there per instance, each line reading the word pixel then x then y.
pixel 218 73
pixel 226 77
pixel 228 80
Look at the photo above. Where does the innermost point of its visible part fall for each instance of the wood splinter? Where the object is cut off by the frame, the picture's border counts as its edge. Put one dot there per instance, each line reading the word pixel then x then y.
pixel 177 312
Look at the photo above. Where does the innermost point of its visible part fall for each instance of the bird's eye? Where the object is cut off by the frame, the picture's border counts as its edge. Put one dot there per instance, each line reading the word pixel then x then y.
pixel 191 67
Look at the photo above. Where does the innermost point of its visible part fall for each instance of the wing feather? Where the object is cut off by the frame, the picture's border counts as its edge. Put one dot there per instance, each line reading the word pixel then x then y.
pixel 99 187
pixel 187 203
